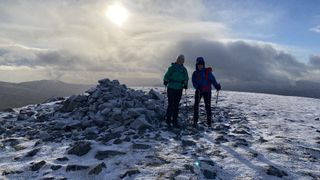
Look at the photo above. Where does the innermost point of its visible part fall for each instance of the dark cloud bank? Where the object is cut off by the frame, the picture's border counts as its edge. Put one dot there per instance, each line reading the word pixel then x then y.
pixel 241 66
pixel 238 65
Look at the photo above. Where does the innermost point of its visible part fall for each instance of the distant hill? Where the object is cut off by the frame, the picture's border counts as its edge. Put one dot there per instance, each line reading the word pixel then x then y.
pixel 33 92
pixel 300 88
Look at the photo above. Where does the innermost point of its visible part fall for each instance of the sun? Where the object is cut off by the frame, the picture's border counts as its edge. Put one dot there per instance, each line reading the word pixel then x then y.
pixel 117 14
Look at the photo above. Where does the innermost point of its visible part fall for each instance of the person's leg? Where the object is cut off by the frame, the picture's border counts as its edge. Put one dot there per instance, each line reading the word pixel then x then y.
pixel 197 98
pixel 177 98
pixel 170 94
pixel 207 102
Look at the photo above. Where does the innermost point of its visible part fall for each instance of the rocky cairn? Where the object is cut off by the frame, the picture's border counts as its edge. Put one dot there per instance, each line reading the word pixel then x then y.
pixel 113 104
pixel 108 114
pixel 108 107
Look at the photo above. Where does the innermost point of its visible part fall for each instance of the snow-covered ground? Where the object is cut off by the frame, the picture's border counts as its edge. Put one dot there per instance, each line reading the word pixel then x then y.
pixel 255 136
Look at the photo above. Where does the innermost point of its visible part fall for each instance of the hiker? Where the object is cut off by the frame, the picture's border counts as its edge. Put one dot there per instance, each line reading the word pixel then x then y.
pixel 202 78
pixel 175 79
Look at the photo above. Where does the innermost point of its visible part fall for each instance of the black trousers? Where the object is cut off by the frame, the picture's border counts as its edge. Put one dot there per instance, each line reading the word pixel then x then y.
pixel 207 101
pixel 174 97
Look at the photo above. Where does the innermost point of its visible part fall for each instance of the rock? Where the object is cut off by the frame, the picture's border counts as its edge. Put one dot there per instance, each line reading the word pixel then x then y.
pixel 96 170
pixel 220 127
pixel 12 142
pixel 262 140
pixel 9 110
pixel 48 178
pixel 19 147
pixel 133 113
pixel 63 159
pixel 130 172
pixel 317 119
pixel 188 143
pixel 7 172
pixel 33 152
pixel 189 167
pixel 141 146
pixel 80 148
pixel 241 142
pixel 221 139
pixel 38 165
pixel 150 105
pixel 108 153
pixel 76 167
pixel 240 131
pixel 105 111
pixel 55 167
pixel 104 82
pixel 209 174
pixel 27 112
pixel 155 95
pixel 273 171
pixel 209 162
pixel 72 103
pixel 45 136
pixel 53 99
pixel 140 124
pixel 127 104
pixel 9 116
pixel 117 141
pixel 111 136
pixel 91 135
pixel 22 117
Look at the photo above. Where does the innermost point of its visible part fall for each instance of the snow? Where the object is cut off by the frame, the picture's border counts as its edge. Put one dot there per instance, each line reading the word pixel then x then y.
pixel 288 125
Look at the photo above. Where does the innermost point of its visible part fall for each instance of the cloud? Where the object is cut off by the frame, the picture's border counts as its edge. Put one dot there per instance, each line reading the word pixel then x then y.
pixel 75 42
pixel 315 29
pixel 243 62
pixel 314 61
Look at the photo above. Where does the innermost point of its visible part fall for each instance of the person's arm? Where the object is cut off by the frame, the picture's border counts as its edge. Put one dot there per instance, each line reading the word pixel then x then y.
pixel 194 81
pixel 167 76
pixel 186 79
pixel 214 82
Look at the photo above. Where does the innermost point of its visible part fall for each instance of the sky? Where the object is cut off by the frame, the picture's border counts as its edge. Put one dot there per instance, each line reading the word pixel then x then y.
pixel 244 41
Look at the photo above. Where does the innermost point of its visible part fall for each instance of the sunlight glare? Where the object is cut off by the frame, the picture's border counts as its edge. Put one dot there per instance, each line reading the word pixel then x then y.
pixel 117 14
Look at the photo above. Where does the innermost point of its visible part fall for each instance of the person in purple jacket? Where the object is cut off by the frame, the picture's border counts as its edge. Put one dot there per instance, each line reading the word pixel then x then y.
pixel 202 79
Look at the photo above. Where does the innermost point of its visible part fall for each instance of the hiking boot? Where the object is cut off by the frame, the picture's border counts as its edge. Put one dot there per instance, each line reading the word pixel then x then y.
pixel 176 125
pixel 195 125
pixel 168 122
pixel 209 124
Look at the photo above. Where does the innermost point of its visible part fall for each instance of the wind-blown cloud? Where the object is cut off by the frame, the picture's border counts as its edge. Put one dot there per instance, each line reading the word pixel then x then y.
pixel 315 61
pixel 316 29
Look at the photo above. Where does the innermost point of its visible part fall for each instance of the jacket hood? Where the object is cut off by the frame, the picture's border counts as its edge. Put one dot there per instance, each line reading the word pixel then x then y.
pixel 200 60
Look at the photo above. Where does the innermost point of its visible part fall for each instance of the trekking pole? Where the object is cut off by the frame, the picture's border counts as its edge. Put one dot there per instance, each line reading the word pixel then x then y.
pixel 164 103
pixel 215 109
pixel 217 98
pixel 165 97
pixel 186 99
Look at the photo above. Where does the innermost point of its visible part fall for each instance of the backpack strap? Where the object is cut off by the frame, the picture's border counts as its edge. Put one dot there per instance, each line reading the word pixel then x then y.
pixel 208 70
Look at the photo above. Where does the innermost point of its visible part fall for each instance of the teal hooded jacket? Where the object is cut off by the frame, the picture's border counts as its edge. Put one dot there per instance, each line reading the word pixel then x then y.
pixel 176 76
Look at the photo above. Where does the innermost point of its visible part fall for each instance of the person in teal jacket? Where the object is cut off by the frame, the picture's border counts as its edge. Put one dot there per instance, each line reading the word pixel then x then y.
pixel 176 79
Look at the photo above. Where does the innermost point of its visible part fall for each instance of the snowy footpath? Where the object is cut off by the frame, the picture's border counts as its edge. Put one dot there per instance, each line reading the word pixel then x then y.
pixel 254 136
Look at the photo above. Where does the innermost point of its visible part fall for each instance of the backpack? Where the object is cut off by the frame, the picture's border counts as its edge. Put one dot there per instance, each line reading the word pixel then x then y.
pixel 208 70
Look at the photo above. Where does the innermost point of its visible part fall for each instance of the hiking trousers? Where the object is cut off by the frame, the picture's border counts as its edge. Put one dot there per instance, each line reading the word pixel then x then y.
pixel 174 97
pixel 207 101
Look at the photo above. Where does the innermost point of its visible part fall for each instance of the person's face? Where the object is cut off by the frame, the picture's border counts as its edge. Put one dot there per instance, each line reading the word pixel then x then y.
pixel 200 66
pixel 180 61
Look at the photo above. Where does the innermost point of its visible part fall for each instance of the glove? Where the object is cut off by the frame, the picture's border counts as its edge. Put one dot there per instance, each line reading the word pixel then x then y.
pixel 185 86
pixel 218 87
pixel 165 83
